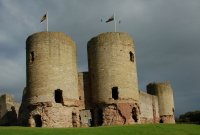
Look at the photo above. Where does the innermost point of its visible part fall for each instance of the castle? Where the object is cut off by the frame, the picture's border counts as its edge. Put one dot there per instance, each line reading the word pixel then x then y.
pixel 56 95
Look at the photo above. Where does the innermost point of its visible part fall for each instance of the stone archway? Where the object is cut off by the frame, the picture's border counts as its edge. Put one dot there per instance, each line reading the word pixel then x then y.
pixel 38 120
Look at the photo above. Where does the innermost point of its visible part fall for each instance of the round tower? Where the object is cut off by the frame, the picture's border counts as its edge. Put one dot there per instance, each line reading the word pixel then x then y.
pixel 164 93
pixel 51 95
pixel 51 68
pixel 112 68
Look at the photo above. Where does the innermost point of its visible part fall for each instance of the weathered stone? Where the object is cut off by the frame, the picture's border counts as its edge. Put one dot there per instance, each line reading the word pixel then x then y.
pixel 112 68
pixel 8 110
pixel 57 96
pixel 164 93
pixel 149 108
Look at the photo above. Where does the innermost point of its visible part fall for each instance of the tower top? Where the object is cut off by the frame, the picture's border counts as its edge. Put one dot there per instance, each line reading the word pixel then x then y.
pixel 44 35
pixel 109 38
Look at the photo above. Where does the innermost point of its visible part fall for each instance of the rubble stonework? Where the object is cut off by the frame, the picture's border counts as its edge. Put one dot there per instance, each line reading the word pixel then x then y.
pixel 8 110
pixel 116 114
pixel 56 95
pixel 50 115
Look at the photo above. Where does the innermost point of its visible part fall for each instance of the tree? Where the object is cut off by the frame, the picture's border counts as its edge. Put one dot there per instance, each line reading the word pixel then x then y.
pixel 190 117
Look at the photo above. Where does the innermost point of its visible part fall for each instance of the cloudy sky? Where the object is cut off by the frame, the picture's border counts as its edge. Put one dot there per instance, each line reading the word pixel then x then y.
pixel 166 33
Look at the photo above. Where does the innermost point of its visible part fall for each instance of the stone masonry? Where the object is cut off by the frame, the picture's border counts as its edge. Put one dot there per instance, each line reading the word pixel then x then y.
pixel 56 95
pixel 8 110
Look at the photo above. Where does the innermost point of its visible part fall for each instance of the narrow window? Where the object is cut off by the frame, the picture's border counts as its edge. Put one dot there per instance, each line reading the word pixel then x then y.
pixel 58 96
pixel 115 93
pixel 38 120
pixel 32 56
pixel 131 56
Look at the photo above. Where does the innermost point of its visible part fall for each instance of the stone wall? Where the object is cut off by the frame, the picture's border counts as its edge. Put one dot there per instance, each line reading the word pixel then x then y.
pixel 149 108
pixel 85 118
pixel 49 114
pixel 84 90
pixel 8 110
pixel 116 114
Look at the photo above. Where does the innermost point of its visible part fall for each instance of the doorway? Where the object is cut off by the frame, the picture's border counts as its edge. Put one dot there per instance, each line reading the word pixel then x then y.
pixel 38 120
pixel 134 114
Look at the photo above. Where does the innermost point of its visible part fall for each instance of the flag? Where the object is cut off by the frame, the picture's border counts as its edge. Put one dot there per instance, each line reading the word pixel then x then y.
pixel 43 18
pixel 110 19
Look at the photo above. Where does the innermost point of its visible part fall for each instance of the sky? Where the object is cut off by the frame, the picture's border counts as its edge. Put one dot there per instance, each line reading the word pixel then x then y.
pixel 166 35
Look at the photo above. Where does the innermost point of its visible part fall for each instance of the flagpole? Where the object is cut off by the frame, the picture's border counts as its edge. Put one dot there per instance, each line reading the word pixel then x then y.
pixel 115 22
pixel 47 21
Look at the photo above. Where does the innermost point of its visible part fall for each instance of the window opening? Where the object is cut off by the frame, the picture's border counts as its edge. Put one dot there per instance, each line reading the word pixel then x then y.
pixel 58 96
pixel 115 93
pixel 131 56
pixel 32 56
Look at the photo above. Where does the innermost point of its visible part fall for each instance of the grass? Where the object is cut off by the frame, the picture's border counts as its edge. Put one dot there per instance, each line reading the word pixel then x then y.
pixel 151 129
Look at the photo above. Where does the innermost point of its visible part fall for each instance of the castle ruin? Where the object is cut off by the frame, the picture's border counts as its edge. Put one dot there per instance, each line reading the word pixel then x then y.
pixel 8 110
pixel 56 95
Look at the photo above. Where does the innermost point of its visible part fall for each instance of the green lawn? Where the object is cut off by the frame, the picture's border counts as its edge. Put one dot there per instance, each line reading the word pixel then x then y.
pixel 157 129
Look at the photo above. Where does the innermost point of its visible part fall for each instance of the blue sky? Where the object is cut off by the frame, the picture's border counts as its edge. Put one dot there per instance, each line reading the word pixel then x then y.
pixel 166 35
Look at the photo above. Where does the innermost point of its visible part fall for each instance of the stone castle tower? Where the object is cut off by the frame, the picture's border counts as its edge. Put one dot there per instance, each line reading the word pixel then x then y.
pixel 56 95
pixel 51 68
pixel 164 93
pixel 52 80
pixel 113 75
